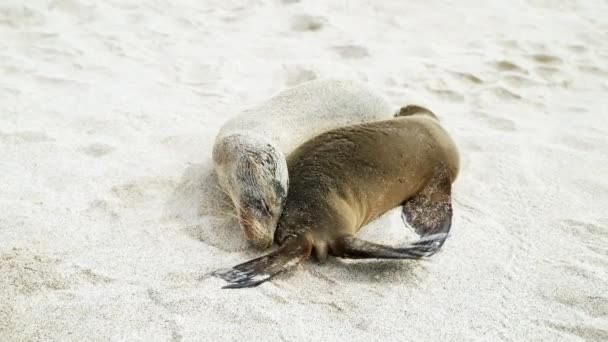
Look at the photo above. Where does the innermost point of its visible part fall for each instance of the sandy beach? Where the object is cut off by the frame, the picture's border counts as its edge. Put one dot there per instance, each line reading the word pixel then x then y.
pixel 111 219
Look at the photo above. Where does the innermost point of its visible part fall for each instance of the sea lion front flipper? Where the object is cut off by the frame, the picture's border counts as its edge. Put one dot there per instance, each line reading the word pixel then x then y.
pixel 254 272
pixel 430 214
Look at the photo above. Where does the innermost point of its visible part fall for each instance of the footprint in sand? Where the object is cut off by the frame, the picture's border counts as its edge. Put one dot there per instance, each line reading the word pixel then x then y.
pixel 24 137
pixel 97 150
pixel 509 66
pixel 546 59
pixel 306 22
pixel 86 275
pixel 578 292
pixel 467 77
pixel 351 51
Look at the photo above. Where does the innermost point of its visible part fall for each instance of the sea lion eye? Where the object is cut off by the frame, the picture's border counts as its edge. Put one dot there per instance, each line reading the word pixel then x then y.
pixel 263 207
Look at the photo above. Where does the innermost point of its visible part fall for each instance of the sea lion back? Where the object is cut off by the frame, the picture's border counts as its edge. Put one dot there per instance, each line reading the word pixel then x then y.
pixel 299 113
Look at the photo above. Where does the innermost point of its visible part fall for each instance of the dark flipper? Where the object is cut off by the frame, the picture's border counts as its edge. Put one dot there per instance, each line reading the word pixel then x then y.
pixel 353 248
pixel 257 271
pixel 430 214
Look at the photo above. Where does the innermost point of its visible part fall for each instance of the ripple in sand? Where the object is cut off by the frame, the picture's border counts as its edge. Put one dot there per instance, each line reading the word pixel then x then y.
pixel 590 234
pixel 468 77
pixel 587 333
pixel 577 48
pixel 593 70
pixel 19 16
pixel 103 208
pixel 519 81
pixel 498 123
pixel 579 143
pixel 553 75
pixel 502 93
pixel 502 124
pixel 139 191
pixel 446 94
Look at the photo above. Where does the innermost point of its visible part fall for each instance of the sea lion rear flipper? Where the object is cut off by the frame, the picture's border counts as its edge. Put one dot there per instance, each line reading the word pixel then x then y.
pixel 430 214
pixel 254 272
pixel 353 248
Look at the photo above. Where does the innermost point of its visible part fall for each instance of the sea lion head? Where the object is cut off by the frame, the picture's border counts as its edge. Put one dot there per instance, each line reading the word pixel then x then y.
pixel 257 184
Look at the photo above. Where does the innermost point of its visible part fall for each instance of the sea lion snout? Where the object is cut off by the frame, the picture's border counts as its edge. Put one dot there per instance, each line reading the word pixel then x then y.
pixel 258 217
pixel 259 230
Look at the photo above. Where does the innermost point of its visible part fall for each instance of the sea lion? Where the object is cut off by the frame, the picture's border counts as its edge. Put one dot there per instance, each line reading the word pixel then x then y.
pixel 347 177
pixel 249 151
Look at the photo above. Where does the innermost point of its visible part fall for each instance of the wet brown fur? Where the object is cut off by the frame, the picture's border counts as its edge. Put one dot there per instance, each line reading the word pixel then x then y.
pixel 349 176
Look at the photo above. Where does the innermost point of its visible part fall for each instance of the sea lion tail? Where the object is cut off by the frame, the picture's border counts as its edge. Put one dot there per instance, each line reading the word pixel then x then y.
pixel 353 248
pixel 414 109
pixel 253 273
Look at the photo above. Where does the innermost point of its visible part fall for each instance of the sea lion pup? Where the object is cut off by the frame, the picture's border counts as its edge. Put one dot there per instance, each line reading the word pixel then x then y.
pixel 249 151
pixel 344 178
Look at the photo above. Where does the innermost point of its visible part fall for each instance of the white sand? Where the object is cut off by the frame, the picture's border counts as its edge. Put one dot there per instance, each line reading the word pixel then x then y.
pixel 109 219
